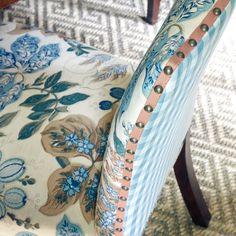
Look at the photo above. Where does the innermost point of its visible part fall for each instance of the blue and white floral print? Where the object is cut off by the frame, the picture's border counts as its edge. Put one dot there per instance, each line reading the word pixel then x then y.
pixel 107 219
pixel 98 59
pixel 77 47
pixel 71 139
pixel 189 10
pixel 13 198
pixel 27 56
pixel 113 72
pixel 60 137
pixel 72 184
pixel 128 127
pixel 66 228
pixel 85 146
pixel 105 200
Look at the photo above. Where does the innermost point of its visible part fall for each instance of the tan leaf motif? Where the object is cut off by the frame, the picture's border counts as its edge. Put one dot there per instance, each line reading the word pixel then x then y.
pixel 65 186
pixel 54 137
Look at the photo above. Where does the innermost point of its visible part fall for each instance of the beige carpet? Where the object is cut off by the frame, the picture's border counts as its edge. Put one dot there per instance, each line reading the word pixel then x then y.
pixel 115 26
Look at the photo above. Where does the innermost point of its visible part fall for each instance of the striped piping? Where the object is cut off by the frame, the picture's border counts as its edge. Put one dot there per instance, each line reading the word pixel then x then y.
pixel 152 102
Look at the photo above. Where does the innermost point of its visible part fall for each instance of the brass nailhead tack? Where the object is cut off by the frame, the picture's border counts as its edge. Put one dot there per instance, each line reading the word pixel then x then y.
pixel 123 198
pixel 168 70
pixel 119 229
pixel 125 188
pixel 192 42
pixel 119 220
pixel 129 161
pixel 140 124
pixel 121 209
pixel 133 140
pixel 204 27
pixel 148 108
pixel 131 152
pixel 129 169
pixel 180 54
pixel 126 178
pixel 158 89
pixel 216 11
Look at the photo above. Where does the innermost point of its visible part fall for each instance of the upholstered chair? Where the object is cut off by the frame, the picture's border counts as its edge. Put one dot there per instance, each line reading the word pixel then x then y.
pixel 86 143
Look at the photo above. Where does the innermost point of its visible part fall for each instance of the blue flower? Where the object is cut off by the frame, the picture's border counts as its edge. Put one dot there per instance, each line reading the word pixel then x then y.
pixel 71 139
pixel 66 228
pixel 105 105
pixel 117 93
pixel 81 174
pixel 107 219
pixel 72 184
pixel 15 198
pixel 26 52
pixel 84 146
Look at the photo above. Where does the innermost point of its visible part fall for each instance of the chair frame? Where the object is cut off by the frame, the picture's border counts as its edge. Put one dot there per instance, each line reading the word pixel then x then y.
pixel 189 186
pixel 152 11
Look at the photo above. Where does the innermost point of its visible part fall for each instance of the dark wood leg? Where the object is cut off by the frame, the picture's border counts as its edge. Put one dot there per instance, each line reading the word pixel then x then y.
pixel 152 11
pixel 189 187
pixel 6 3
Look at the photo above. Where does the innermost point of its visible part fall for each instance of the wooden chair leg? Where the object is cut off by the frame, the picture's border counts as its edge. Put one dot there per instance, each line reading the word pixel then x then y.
pixel 152 11
pixel 189 187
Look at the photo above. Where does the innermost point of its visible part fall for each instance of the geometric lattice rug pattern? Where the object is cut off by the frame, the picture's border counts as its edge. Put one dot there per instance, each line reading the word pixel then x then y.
pixel 116 26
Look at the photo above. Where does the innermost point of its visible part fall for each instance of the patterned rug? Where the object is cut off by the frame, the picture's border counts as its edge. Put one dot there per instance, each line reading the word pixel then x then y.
pixel 115 26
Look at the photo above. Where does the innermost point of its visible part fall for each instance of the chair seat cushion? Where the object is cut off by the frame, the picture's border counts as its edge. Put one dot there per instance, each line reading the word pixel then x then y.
pixel 57 100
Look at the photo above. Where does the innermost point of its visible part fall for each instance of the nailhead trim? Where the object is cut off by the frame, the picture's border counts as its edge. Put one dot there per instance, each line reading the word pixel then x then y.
pixel 204 27
pixel 129 161
pixel 122 198
pixel 148 108
pixel 168 70
pixel 133 140
pixel 192 42
pixel 121 209
pixel 140 125
pixel 180 54
pixel 127 178
pixel 125 188
pixel 119 220
pixel 131 152
pixel 158 89
pixel 216 11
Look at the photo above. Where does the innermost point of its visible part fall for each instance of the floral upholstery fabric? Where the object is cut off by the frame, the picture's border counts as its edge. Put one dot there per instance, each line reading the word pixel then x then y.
pixel 57 100
pixel 161 139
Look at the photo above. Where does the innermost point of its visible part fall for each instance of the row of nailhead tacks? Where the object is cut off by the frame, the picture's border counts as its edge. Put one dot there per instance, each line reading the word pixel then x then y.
pixel 168 70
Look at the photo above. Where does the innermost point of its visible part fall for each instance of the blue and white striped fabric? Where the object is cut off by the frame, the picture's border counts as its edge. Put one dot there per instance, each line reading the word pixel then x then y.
pixel 163 135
